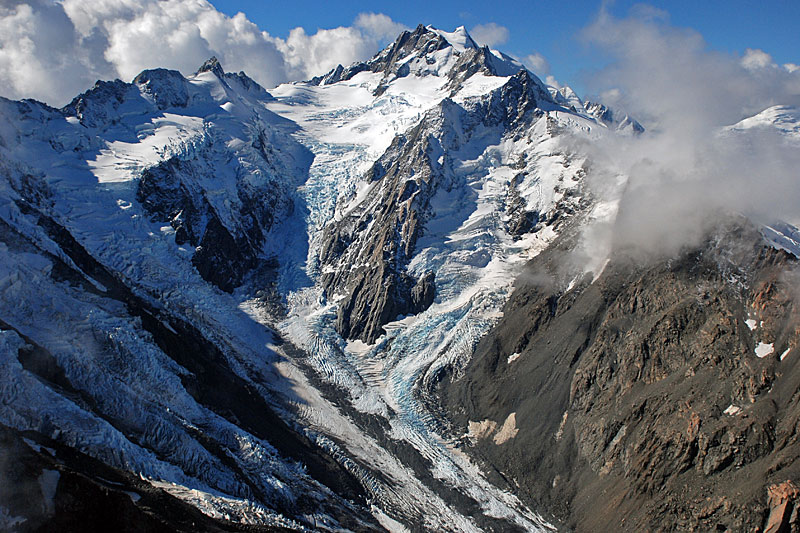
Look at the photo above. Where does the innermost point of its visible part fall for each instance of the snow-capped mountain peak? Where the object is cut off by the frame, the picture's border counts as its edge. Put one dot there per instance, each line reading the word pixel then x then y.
pixel 458 38
pixel 611 119
pixel 783 118
pixel 211 65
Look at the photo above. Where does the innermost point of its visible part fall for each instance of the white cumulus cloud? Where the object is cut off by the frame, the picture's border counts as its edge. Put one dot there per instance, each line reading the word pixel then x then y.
pixel 490 34
pixel 52 50
pixel 755 59
pixel 378 25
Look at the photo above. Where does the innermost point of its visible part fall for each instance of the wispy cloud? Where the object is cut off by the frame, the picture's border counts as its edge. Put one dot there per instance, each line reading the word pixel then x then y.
pixel 537 63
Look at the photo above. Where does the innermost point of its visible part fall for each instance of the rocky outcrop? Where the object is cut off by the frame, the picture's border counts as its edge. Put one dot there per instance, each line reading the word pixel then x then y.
pixel 645 386
pixel 782 500
pixel 225 248
pixel 520 220
pixel 167 88
pixel 372 246
pixel 98 106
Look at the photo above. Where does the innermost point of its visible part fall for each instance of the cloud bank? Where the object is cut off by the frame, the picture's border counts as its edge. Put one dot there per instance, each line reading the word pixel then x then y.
pixel 52 50
pixel 690 166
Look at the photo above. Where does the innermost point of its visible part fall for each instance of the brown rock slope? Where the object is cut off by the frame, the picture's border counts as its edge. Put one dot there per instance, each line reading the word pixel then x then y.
pixel 637 402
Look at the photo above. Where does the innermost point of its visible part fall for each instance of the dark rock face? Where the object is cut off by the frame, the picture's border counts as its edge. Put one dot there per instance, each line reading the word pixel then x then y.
pixel 378 239
pixel 424 291
pixel 520 220
pixel 222 260
pixel 223 256
pixel 367 252
pixel 643 386
pixel 97 106
pixel 168 88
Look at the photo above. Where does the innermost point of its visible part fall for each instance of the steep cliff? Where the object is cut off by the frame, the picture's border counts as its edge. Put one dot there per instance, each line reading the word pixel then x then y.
pixel 660 396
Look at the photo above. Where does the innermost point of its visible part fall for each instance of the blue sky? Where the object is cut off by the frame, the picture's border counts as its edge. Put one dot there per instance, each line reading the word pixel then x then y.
pixel 550 28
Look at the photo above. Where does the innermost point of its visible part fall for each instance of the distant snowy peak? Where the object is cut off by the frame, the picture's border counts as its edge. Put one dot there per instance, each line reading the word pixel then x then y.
pixel 786 119
pixel 782 124
pixel 458 39
pixel 782 236
pixel 566 97
pixel 613 119
pixel 460 63
pixel 161 89
pixel 602 114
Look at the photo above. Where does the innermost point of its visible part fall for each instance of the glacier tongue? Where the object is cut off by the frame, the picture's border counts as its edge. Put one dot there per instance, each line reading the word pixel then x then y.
pixel 465 242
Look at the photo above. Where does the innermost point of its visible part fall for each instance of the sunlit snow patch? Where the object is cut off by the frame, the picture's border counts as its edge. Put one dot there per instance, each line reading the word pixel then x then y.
pixel 122 161
pixel 764 349
pixel 733 410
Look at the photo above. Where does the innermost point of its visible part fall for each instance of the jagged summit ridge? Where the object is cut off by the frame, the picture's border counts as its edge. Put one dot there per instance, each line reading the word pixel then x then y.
pixel 162 89
pixel 211 65
pixel 427 51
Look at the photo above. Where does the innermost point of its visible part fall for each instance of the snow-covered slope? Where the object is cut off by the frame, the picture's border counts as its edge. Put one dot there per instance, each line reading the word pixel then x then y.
pixel 158 371
pixel 245 298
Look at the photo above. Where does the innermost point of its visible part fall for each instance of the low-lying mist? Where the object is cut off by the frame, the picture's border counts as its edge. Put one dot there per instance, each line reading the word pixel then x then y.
pixel 664 189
